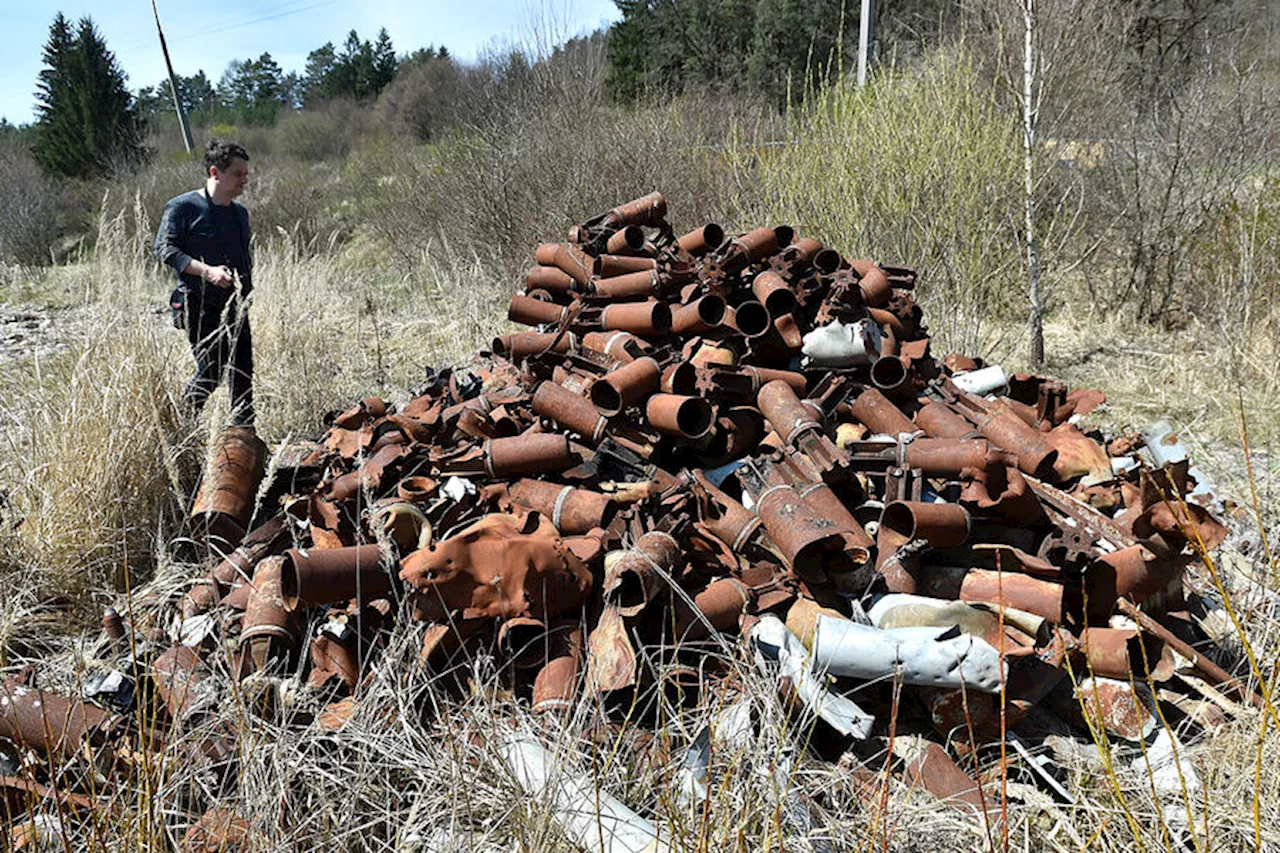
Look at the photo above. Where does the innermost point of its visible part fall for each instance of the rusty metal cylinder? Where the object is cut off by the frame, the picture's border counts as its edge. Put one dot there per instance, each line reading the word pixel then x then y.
pixel 1118 653
pixel 872 283
pixel 1003 428
pixel 625 241
pixel 750 318
pixel 718 607
pixel 891 375
pixel 529 455
pixel 827 261
pixel 626 386
pixel 802 536
pixel 941 421
pixel 941 457
pixel 628 287
pixel 556 684
pixel 820 498
pixel 573 511
pixel 737 431
pixel 327 575
pixel 730 521
pixel 545 253
pixel 574 260
pixel 551 279
pixel 534 312
pixel 674 414
pixel 1004 589
pixel 230 485
pixel 699 241
pixel 621 346
pixel 518 345
pixel 648 210
pixel 47 722
pixel 878 413
pixel 1137 571
pixel 634 577
pixel 615 265
pixel 641 318
pixel 787 413
pixel 772 291
pixel 569 411
pixel 699 316
pixel 522 638
pixel 265 614
pixel 941 525
pixel 178 676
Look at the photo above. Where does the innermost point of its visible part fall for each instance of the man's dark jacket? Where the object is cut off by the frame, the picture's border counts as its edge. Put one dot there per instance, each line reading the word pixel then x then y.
pixel 194 227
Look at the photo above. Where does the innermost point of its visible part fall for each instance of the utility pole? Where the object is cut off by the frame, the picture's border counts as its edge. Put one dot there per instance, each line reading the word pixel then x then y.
pixel 866 32
pixel 173 83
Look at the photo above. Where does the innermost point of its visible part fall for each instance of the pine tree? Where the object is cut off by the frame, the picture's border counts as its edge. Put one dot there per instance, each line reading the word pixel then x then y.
pixel 85 120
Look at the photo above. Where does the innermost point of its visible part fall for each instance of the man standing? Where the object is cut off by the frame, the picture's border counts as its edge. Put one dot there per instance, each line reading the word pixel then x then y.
pixel 204 236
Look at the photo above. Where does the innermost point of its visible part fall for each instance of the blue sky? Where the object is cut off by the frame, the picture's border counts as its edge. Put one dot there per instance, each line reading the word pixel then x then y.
pixel 208 34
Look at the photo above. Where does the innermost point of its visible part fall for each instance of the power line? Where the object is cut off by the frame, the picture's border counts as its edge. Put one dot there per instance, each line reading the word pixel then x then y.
pixel 259 20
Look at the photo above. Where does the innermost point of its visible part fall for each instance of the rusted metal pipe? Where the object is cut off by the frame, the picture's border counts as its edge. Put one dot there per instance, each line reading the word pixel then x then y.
pixel 673 414
pixel 570 411
pixel 325 575
pixel 573 511
pixel 876 411
pixel 626 386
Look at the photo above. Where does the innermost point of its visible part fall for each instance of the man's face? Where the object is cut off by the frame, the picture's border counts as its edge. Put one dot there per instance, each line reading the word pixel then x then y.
pixel 234 178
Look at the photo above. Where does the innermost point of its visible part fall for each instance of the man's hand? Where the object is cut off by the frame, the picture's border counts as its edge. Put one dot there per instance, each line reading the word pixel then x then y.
pixel 219 276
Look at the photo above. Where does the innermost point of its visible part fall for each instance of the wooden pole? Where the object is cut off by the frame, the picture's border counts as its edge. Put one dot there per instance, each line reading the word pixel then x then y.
pixel 173 83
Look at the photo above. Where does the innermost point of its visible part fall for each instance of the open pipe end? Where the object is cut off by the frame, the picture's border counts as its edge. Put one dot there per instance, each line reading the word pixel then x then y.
pixel 694 417
pixel 289 584
pixel 606 399
pixel 753 319
pixel 827 261
pixel 888 374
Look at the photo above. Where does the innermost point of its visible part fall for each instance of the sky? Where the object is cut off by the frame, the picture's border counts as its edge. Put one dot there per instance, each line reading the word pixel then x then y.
pixel 209 34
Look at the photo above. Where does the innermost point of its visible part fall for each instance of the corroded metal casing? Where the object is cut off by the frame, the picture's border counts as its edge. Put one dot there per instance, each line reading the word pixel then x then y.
pixel 49 723
pixel 328 575
pixel 178 676
pixel 940 457
pixel 1118 653
pixel 616 265
pixel 774 293
pixel 640 318
pixel 569 411
pixel 673 414
pixel 1007 431
pixel 725 517
pixel 625 241
pixel 529 455
pixel 698 316
pixel 1135 573
pixel 522 639
pixel 699 241
pixel 630 286
pixel 626 386
pixel 622 346
pixel 550 279
pixel 737 432
pixel 518 345
pixel 941 525
pixel 787 413
pixel 941 421
pixel 230 484
pixel 892 376
pixel 265 615
pixel 556 684
pixel 878 413
pixel 545 253
pixel 572 510
pixel 534 312
pixel 873 284
pixel 750 318
pixel 633 577
pixel 1012 589
pixel 803 537
pixel 574 260
pixel 650 210
pixel 822 500
pixel 716 608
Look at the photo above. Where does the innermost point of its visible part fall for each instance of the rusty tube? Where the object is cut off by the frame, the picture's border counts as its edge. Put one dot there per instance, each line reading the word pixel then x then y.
pixel 1006 430
pixel 569 411
pixel 673 414
pixel 616 265
pixel 699 241
pixel 650 210
pixel 265 614
pixel 327 575
pixel 556 684
pixel 774 293
pixel 626 386
pixel 575 261
pixel 730 521
pixel 750 318
pixel 229 488
pixel 47 722
pixel 941 525
pixel 625 241
pixel 940 457
pixel 628 287
pixel 573 511
pixel 634 577
pixel 550 279
pixel 803 537
pixel 787 413
pixel 698 316
pixel 528 455
pixel 941 421
pixel 822 500
pixel 518 345
pixel 621 346
pixel 877 412
pixel 534 312
pixel 642 318
pixel 721 604
pixel 872 283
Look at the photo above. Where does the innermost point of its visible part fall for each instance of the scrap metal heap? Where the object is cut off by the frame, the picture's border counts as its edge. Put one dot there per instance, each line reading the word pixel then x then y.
pixel 704 436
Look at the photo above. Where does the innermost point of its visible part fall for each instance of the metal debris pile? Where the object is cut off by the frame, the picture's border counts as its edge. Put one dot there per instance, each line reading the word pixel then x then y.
pixel 713 450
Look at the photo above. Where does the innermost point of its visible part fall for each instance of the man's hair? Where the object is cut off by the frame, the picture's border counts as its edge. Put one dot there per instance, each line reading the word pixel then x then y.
pixel 220 154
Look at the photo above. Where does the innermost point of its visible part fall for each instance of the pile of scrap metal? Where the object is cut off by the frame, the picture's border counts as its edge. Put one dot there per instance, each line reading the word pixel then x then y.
pixel 707 436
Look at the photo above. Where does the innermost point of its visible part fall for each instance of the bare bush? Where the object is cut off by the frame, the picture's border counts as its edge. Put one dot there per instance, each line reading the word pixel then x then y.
pixel 323 132
pixel 29 206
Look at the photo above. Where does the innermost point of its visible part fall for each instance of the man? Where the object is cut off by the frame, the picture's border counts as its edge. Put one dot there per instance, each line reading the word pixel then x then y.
pixel 204 236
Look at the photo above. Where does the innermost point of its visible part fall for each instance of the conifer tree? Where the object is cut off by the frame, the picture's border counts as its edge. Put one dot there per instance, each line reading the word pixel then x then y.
pixel 85 121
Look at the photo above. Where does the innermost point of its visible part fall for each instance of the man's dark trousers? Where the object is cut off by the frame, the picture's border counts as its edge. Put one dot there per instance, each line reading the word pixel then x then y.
pixel 222 343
